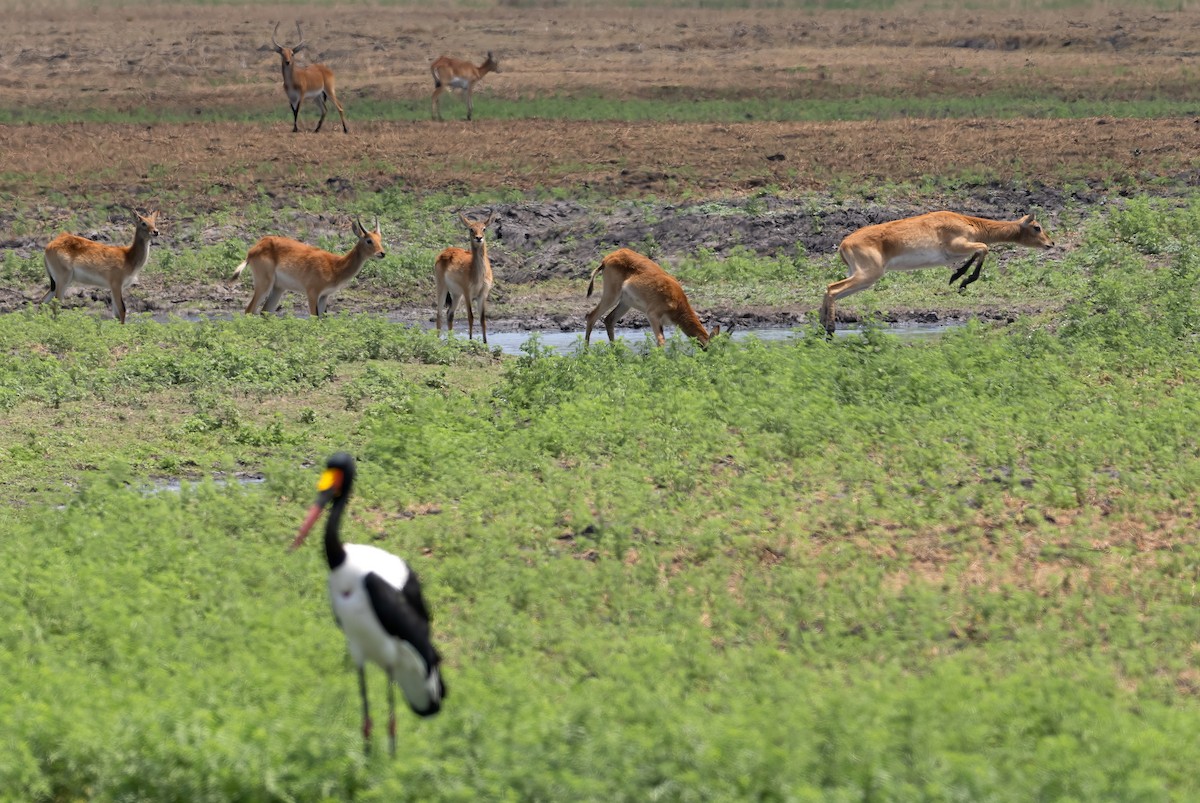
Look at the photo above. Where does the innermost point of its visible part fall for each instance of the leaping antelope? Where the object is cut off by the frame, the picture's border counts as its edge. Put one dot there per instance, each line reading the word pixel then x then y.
pixel 634 281
pixel 280 264
pixel 378 604
pixel 929 240
pixel 462 275
pixel 70 258
pixel 451 73
pixel 314 81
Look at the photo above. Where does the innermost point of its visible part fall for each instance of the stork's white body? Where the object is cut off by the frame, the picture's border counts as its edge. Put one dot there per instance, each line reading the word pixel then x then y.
pixel 366 639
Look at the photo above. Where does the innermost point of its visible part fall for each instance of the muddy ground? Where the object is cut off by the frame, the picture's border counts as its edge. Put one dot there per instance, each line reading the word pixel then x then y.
pixel 771 187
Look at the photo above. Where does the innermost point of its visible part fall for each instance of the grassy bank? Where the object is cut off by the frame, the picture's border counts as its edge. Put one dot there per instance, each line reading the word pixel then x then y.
pixel 674 110
pixel 834 570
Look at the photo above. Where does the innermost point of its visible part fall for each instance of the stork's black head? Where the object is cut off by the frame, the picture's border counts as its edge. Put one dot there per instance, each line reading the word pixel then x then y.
pixel 332 488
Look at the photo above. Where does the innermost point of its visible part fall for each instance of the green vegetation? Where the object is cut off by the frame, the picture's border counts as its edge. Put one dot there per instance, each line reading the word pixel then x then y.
pixel 833 570
pixel 672 109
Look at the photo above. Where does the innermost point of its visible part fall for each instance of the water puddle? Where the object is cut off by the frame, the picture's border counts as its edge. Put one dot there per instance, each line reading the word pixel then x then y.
pixel 559 342
pixel 175 484
pixel 570 342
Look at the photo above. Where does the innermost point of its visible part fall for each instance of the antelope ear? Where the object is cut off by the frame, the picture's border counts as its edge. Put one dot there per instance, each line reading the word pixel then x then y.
pixel 491 217
pixel 1025 220
pixel 356 227
pixel 377 229
pixel 463 218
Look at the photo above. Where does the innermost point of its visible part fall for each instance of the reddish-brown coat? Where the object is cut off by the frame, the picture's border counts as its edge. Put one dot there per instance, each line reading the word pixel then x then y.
pixel 70 258
pixel 935 238
pixel 461 275
pixel 280 264
pixel 633 281
pixel 451 73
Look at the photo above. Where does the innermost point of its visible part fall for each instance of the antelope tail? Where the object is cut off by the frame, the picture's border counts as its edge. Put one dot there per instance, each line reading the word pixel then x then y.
pixel 232 278
pixel 449 301
pixel 437 80
pixel 593 279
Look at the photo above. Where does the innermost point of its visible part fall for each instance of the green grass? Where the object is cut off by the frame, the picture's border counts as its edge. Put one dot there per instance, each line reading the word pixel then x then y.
pixel 833 570
pixel 683 109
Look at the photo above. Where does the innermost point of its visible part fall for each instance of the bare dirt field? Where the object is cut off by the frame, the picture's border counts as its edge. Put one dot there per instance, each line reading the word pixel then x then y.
pixel 202 60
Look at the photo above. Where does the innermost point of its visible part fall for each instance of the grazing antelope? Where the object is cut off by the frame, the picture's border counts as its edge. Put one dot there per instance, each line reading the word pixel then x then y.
pixel 451 73
pixel 70 258
pixel 314 81
pixel 935 238
pixel 280 264
pixel 634 281
pixel 462 276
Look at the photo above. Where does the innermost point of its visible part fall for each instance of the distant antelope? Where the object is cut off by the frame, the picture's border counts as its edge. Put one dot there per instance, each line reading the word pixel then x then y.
pixel 935 238
pixel 462 276
pixel 634 281
pixel 314 81
pixel 451 73
pixel 70 258
pixel 281 264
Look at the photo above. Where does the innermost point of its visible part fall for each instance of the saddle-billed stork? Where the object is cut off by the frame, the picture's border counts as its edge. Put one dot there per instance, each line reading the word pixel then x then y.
pixel 377 602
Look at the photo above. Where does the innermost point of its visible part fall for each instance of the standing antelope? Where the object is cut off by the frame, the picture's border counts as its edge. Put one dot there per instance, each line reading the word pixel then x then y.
pixel 314 81
pixel 70 258
pixel 935 238
pixel 462 276
pixel 281 264
pixel 634 281
pixel 451 73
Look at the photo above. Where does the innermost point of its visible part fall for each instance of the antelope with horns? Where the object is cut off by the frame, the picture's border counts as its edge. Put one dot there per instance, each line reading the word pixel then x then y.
pixel 280 264
pixel 314 81
pixel 634 281
pixel 462 275
pixel 932 239
pixel 70 258
pixel 451 73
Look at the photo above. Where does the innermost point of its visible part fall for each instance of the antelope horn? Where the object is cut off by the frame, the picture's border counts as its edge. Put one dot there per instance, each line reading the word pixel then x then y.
pixel 299 33
pixel 278 47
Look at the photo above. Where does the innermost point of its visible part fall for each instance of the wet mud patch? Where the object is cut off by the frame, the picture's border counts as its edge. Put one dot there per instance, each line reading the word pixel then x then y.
pixel 559 239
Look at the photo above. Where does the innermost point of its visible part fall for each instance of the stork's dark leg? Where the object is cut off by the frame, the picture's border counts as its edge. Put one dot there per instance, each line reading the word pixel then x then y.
pixel 391 718
pixel 366 725
pixel 965 266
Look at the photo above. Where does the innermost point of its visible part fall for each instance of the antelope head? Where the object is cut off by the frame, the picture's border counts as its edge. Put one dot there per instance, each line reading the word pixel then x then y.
pixel 370 240
pixel 146 226
pixel 1032 234
pixel 477 228
pixel 287 53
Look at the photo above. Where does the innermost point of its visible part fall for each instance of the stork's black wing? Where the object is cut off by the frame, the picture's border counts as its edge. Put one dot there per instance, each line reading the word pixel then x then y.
pixel 403 613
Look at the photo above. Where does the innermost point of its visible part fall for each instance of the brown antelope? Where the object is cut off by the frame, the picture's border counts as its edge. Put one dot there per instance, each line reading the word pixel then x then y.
pixel 451 73
pixel 462 276
pixel 281 264
pixel 634 281
pixel 70 258
pixel 314 81
pixel 935 238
